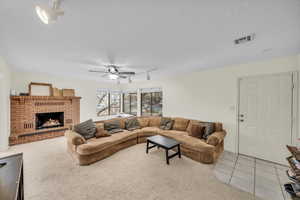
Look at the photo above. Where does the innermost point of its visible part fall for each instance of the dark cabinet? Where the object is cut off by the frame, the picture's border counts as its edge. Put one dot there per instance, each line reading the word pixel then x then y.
pixel 11 177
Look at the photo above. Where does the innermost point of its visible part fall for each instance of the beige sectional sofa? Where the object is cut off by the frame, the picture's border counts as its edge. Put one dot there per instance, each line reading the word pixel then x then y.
pixel 89 151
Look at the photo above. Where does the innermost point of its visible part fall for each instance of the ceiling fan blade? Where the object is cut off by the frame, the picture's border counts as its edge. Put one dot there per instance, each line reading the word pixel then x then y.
pixel 96 71
pixel 122 76
pixel 127 73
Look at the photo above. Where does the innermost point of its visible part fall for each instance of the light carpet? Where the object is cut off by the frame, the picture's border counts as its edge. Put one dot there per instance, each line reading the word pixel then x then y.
pixel 131 174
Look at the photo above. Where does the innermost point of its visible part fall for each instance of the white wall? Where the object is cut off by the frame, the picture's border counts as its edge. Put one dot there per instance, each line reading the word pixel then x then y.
pixel 84 88
pixel 211 95
pixel 5 80
pixel 208 95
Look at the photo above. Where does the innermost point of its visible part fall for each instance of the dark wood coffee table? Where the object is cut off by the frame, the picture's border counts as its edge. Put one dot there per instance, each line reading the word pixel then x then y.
pixel 165 143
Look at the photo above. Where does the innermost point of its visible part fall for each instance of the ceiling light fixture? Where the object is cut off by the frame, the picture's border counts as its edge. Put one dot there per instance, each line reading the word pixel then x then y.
pixel 49 14
pixel 113 76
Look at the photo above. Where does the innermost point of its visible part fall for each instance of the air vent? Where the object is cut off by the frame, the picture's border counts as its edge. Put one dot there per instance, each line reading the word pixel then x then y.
pixel 244 39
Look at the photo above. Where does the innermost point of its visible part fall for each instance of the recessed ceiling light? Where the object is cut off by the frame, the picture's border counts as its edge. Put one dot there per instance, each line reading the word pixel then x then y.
pixel 49 14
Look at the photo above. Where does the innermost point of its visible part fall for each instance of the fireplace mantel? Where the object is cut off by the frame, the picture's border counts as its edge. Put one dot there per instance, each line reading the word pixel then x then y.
pixel 29 98
pixel 23 116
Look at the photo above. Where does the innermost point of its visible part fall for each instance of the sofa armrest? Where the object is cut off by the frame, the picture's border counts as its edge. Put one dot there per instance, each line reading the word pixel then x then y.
pixel 216 138
pixel 74 138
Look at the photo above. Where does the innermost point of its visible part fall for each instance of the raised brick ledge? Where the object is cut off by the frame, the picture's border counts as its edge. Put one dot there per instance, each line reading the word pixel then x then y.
pixel 33 138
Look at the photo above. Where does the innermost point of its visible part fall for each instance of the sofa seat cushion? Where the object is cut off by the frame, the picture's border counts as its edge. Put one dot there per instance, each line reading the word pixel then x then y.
pixel 188 141
pixel 148 131
pixel 98 144
pixel 170 132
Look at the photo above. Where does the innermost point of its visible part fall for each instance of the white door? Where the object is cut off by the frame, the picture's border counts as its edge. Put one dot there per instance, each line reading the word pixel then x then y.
pixel 265 116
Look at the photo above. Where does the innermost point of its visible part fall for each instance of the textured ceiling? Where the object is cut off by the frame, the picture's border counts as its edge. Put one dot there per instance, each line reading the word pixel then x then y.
pixel 172 35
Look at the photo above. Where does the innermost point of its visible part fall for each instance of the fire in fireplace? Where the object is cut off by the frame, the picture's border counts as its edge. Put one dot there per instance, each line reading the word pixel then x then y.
pixel 49 120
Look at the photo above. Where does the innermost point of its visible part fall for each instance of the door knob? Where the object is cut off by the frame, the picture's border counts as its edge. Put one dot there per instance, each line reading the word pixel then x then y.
pixel 241 120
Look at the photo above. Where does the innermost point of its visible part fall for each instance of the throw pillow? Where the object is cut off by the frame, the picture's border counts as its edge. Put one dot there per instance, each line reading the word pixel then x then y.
pixel 166 123
pixel 132 124
pixel 87 129
pixel 100 132
pixel 110 125
pixel 209 128
pixel 116 130
pixel 196 130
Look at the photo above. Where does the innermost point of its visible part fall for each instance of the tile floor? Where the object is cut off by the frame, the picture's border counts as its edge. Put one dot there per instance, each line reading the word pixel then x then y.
pixel 261 178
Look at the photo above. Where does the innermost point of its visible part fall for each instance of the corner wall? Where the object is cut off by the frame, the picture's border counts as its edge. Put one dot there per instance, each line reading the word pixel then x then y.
pixel 5 82
pixel 211 95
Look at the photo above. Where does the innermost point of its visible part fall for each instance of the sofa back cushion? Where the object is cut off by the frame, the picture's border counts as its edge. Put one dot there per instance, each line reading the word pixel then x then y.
pixel 132 124
pixel 143 121
pixel 154 121
pixel 180 124
pixel 166 123
pixel 86 129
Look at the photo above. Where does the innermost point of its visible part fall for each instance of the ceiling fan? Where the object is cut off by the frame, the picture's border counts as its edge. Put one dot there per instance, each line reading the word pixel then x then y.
pixel 113 72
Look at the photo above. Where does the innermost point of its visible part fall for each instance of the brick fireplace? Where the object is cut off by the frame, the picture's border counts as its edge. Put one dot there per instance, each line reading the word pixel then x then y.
pixel 36 118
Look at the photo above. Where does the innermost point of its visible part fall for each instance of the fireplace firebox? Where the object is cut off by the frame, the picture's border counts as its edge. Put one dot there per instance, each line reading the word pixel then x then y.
pixel 49 120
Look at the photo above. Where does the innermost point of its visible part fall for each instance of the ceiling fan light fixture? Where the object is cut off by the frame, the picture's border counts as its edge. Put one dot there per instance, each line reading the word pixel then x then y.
pixel 113 76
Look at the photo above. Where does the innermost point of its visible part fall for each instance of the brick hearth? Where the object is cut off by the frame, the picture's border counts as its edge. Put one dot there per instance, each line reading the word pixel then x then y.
pixel 23 116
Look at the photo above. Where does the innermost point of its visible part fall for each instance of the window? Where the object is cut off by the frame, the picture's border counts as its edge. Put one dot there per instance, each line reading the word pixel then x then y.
pixel 151 103
pixel 115 103
pixel 102 105
pixel 109 102
pixel 130 103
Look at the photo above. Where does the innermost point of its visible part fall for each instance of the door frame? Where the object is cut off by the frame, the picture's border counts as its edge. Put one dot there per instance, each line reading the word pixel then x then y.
pixel 295 106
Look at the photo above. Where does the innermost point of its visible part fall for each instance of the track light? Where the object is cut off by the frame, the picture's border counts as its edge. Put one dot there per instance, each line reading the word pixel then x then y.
pixel 129 80
pixel 49 14
pixel 148 76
